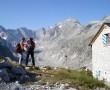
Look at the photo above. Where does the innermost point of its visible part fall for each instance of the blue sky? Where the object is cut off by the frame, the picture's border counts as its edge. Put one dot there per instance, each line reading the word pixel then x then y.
pixel 35 14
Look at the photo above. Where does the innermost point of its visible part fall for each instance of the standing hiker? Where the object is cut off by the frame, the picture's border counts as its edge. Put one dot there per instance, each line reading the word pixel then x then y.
pixel 23 43
pixel 20 49
pixel 30 51
pixel 19 52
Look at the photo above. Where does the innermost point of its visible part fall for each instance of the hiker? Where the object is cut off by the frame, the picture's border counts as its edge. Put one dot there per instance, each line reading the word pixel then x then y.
pixel 23 43
pixel 20 49
pixel 30 51
pixel 19 52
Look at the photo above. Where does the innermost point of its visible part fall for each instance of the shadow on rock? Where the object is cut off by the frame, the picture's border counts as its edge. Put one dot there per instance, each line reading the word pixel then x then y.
pixel 12 73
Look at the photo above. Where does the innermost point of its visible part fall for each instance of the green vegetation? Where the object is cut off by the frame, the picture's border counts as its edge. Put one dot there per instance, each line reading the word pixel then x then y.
pixel 75 78
pixel 1 59
pixel 33 68
pixel 80 79
pixel 48 68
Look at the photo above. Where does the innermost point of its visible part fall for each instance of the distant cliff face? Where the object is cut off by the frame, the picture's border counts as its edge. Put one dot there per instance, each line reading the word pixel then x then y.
pixel 66 44
pixel 63 45
pixel 5 49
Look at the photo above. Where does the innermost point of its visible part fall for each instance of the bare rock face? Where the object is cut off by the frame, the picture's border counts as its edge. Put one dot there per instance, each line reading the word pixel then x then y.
pixel 4 75
pixel 10 73
pixel 18 71
pixel 66 44
pixel 63 45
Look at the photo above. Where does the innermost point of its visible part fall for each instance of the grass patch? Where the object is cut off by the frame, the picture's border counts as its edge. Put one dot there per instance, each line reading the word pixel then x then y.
pixel 79 79
pixel 73 77
pixel 48 68
pixel 1 59
pixel 33 68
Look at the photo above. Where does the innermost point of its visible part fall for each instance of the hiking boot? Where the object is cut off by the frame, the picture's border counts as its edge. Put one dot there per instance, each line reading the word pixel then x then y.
pixel 27 67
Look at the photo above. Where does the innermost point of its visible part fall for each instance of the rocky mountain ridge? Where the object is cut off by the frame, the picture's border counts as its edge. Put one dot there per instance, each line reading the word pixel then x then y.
pixel 10 37
pixel 63 45
pixel 66 44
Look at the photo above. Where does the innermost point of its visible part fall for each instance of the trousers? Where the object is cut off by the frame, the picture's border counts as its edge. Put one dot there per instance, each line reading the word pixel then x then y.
pixel 20 55
pixel 32 57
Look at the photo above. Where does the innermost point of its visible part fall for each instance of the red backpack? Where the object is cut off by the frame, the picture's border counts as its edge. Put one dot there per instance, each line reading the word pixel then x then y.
pixel 18 48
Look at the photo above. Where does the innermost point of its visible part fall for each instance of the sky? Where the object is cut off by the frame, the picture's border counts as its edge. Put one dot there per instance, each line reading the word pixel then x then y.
pixel 36 14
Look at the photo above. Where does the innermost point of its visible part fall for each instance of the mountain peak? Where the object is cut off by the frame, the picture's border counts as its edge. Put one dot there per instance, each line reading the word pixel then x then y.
pixel 106 17
pixel 72 20
pixel 68 21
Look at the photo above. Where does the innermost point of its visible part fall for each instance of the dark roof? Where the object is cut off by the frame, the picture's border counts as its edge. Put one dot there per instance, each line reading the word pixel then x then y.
pixel 108 24
pixel 98 33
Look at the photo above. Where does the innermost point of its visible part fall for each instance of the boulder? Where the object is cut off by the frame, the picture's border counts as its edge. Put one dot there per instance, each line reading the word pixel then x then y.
pixel 5 65
pixel 12 77
pixel 4 75
pixel 10 73
pixel 18 71
pixel 24 78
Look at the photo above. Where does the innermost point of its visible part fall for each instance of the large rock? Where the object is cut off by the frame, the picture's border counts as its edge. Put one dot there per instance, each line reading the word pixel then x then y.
pixel 24 78
pixel 5 64
pixel 4 75
pixel 10 73
pixel 18 71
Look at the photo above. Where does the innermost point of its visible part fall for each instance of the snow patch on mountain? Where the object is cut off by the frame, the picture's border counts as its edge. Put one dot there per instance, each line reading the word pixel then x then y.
pixel 3 35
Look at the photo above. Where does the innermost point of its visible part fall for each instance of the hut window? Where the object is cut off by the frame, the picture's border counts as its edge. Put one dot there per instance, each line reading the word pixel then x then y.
pixel 106 39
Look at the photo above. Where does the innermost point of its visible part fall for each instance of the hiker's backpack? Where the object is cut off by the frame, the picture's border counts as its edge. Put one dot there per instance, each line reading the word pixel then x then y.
pixel 18 48
pixel 30 45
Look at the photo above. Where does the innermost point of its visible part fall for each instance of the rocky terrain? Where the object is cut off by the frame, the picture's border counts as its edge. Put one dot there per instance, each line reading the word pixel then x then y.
pixel 64 44
pixel 17 77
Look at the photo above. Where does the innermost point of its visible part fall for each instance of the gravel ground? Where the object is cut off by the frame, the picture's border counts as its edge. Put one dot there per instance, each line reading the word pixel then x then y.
pixel 17 86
